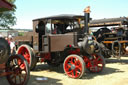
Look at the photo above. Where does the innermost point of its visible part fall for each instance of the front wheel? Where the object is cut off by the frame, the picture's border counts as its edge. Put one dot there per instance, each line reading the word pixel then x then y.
pixel 96 63
pixel 74 66
pixel 19 71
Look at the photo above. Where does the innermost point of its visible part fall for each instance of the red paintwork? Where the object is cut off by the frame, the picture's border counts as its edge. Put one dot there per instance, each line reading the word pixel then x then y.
pixel 76 51
pixel 45 56
pixel 95 64
pixel 23 51
pixel 73 73
pixel 21 64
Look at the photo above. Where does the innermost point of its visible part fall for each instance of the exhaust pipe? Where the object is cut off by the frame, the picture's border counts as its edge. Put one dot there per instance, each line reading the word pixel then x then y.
pixel 86 19
pixel 88 45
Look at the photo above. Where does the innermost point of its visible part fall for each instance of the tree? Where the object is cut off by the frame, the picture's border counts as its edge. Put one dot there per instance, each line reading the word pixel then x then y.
pixel 11 1
pixel 8 18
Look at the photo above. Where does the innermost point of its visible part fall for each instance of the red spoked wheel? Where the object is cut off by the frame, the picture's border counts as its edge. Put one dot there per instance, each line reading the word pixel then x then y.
pixel 96 63
pixel 19 69
pixel 74 66
pixel 28 54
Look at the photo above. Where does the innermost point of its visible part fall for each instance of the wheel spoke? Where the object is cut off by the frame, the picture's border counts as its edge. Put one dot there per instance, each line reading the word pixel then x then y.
pixel 15 80
pixel 69 72
pixel 79 67
pixel 72 73
pixel 13 76
pixel 76 62
pixel 19 75
pixel 68 66
pixel 24 51
pixel 71 61
pixel 20 64
pixel 73 66
pixel 20 78
pixel 96 64
pixel 27 57
pixel 77 72
pixel 67 69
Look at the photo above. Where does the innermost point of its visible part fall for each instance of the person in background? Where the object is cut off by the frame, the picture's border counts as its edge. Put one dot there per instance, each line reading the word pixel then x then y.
pixel 12 44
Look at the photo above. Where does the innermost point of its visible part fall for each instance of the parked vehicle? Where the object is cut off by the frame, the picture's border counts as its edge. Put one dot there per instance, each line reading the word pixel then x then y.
pixel 112 36
pixel 62 39
pixel 14 67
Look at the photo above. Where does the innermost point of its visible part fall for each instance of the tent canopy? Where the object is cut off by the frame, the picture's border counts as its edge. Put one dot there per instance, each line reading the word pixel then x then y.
pixel 5 6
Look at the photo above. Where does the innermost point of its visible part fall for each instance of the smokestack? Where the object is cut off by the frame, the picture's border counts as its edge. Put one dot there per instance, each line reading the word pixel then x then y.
pixel 86 19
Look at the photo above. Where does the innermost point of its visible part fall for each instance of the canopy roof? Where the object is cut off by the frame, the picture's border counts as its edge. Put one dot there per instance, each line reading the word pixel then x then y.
pixel 61 17
pixel 5 6
pixel 109 22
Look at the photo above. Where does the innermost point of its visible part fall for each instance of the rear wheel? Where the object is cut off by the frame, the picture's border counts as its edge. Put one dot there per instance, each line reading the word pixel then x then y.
pixel 4 50
pixel 28 54
pixel 19 69
pixel 96 63
pixel 74 66
pixel 116 49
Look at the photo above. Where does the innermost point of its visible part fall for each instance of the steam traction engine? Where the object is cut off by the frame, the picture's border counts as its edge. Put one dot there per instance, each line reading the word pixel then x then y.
pixel 62 39
pixel 14 67
pixel 112 36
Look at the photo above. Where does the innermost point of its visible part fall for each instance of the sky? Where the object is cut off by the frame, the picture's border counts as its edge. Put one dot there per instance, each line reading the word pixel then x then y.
pixel 27 10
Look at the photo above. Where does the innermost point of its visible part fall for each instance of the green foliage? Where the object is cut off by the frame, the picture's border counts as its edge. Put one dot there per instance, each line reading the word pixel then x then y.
pixel 11 1
pixel 8 19
pixel 20 34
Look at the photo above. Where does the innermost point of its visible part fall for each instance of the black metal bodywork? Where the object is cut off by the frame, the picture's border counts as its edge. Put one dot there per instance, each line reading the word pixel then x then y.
pixel 63 39
pixel 68 32
pixel 112 35
pixel 61 28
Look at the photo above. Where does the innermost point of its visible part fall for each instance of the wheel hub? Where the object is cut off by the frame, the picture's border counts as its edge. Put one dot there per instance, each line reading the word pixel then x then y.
pixel 17 71
pixel 73 66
